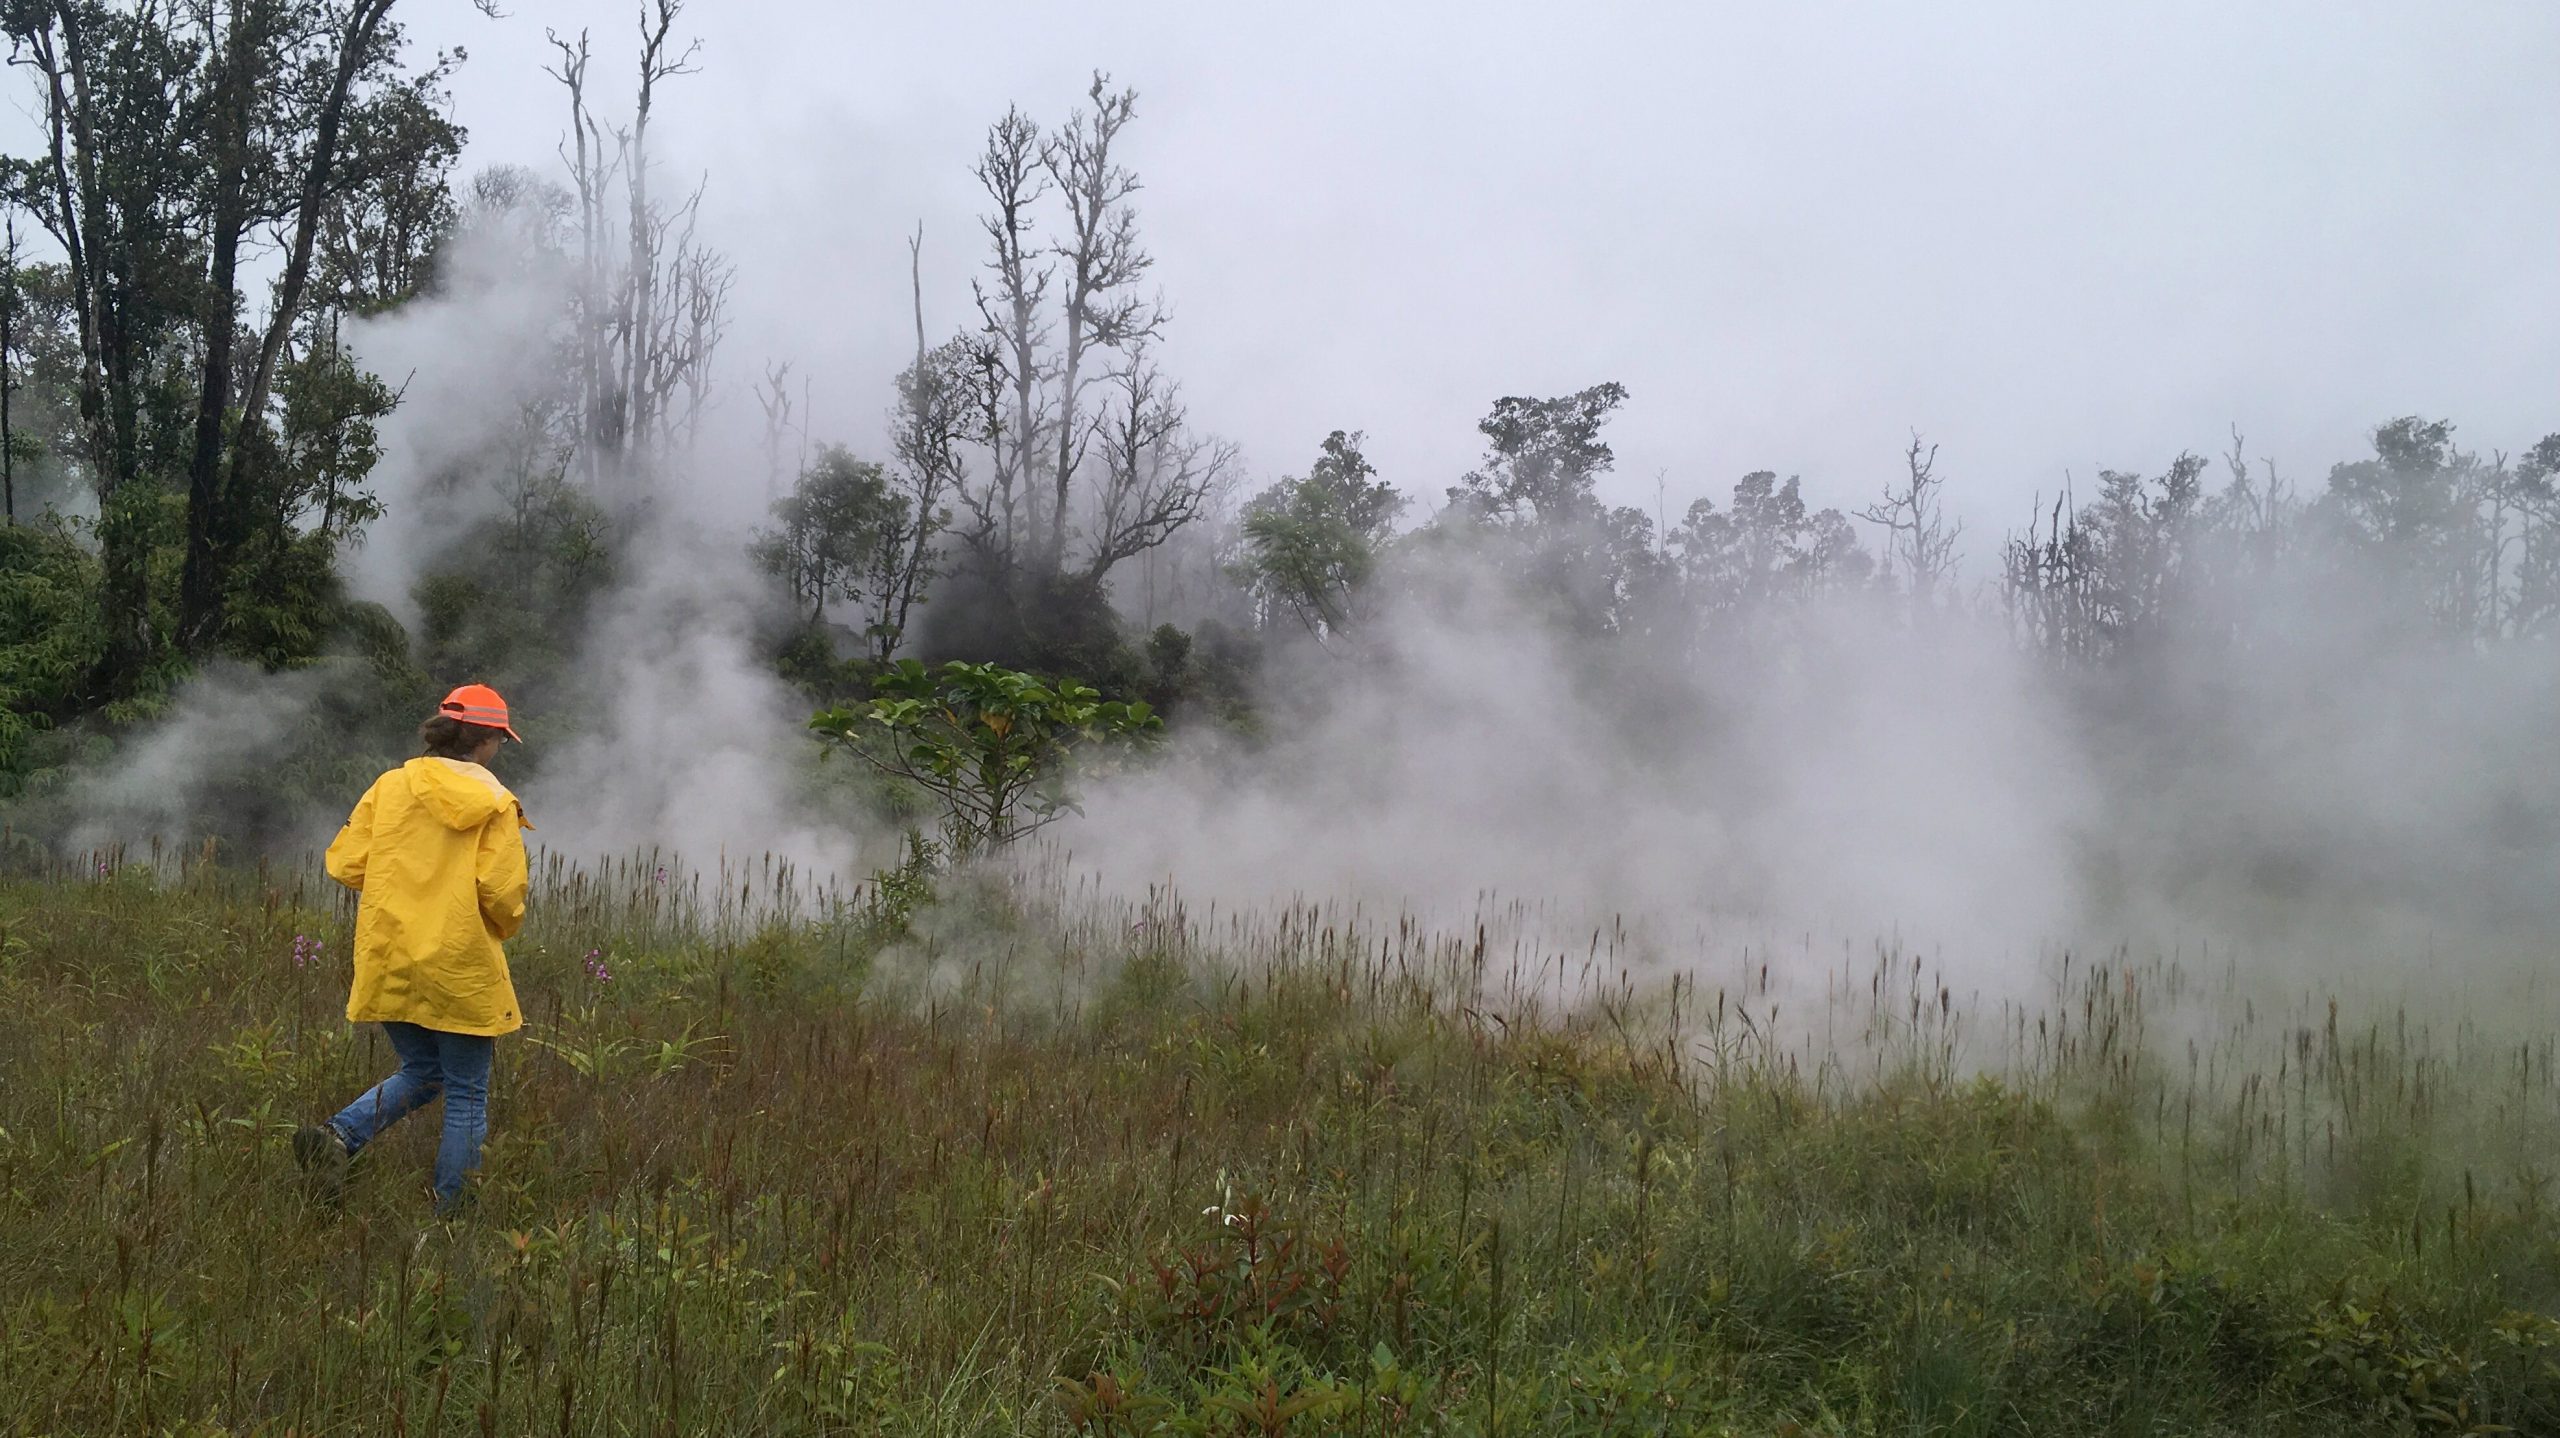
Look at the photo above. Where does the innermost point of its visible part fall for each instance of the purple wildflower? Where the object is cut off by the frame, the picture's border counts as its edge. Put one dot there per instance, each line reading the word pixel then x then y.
pixel 594 966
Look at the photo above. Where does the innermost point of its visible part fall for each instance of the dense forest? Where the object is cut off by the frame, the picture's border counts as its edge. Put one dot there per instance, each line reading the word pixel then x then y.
pixel 222 198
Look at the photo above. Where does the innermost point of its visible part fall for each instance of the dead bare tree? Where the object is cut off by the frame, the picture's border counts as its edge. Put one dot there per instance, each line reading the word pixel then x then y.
pixel 592 167
pixel 773 396
pixel 690 323
pixel 934 420
pixel 652 302
pixel 2050 582
pixel 2262 511
pixel 1104 261
pixel 646 363
pixel 703 284
pixel 1090 460
pixel 1013 367
pixel 1919 538
pixel 1157 476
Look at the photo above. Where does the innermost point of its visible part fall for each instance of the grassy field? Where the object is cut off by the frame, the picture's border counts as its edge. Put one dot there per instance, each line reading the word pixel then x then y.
pixel 1022 1162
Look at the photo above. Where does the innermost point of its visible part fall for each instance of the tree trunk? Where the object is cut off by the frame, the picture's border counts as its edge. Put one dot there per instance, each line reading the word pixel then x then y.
pixel 8 375
pixel 640 283
pixel 362 25
pixel 106 399
pixel 226 523
pixel 586 160
pixel 1053 559
pixel 210 522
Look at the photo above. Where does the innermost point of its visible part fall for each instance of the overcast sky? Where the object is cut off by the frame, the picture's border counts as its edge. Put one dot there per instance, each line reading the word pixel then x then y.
pixel 2051 236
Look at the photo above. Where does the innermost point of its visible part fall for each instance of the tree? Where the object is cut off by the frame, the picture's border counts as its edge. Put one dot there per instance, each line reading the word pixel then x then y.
pixel 2123 576
pixel 2050 583
pixel 298 89
pixel 1532 509
pixel 180 141
pixel 1312 544
pixel 377 244
pixel 1090 459
pixel 1546 459
pixel 1010 362
pixel 1155 475
pixel 932 424
pixel 1767 548
pixel 1104 262
pixel 830 533
pixel 773 397
pixel 121 95
pixel 9 308
pixel 650 302
pixel 2419 520
pixel 283 584
pixel 1920 541
pixel 998 748
pixel 46 435
pixel 2535 493
pixel 49 636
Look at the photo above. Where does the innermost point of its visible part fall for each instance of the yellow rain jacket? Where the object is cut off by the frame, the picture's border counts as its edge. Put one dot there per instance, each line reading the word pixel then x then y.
pixel 434 848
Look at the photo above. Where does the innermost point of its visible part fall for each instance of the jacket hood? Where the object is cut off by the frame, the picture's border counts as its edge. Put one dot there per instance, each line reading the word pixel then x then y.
pixel 461 794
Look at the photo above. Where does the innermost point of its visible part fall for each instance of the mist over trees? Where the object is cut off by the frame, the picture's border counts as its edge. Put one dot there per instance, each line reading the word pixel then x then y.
pixel 1035 919
pixel 191 447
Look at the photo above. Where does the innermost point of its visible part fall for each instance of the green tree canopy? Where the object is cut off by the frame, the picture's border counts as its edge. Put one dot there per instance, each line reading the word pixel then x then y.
pixel 1312 544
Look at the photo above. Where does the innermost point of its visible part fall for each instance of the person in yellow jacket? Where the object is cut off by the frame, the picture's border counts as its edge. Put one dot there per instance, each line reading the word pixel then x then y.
pixel 435 850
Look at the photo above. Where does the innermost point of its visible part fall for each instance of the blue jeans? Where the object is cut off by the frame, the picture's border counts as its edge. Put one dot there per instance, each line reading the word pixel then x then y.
pixel 431 1062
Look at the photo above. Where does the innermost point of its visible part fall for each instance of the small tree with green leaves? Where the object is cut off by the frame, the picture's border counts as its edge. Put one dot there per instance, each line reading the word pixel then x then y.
pixel 1311 545
pixel 835 534
pixel 999 748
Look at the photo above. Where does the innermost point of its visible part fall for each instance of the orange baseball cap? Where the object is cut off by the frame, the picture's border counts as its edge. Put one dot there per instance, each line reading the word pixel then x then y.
pixel 478 704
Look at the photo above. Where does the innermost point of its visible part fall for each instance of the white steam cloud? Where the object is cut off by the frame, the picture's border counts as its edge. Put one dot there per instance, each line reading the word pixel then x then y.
pixel 463 362
pixel 697 748
pixel 228 723
pixel 2339 797
pixel 1877 781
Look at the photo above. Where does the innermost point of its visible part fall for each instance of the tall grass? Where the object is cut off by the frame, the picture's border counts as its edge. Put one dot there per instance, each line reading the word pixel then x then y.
pixel 776 1159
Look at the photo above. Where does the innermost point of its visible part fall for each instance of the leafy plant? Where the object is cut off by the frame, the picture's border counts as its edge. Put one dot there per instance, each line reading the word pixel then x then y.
pixel 996 746
pixel 49 638
pixel 592 1059
pixel 1107 1406
pixel 896 894
pixel 1253 1273
pixel 2378 1360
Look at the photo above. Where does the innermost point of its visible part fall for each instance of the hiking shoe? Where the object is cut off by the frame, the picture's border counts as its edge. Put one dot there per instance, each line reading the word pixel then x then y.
pixel 456 1208
pixel 322 1156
